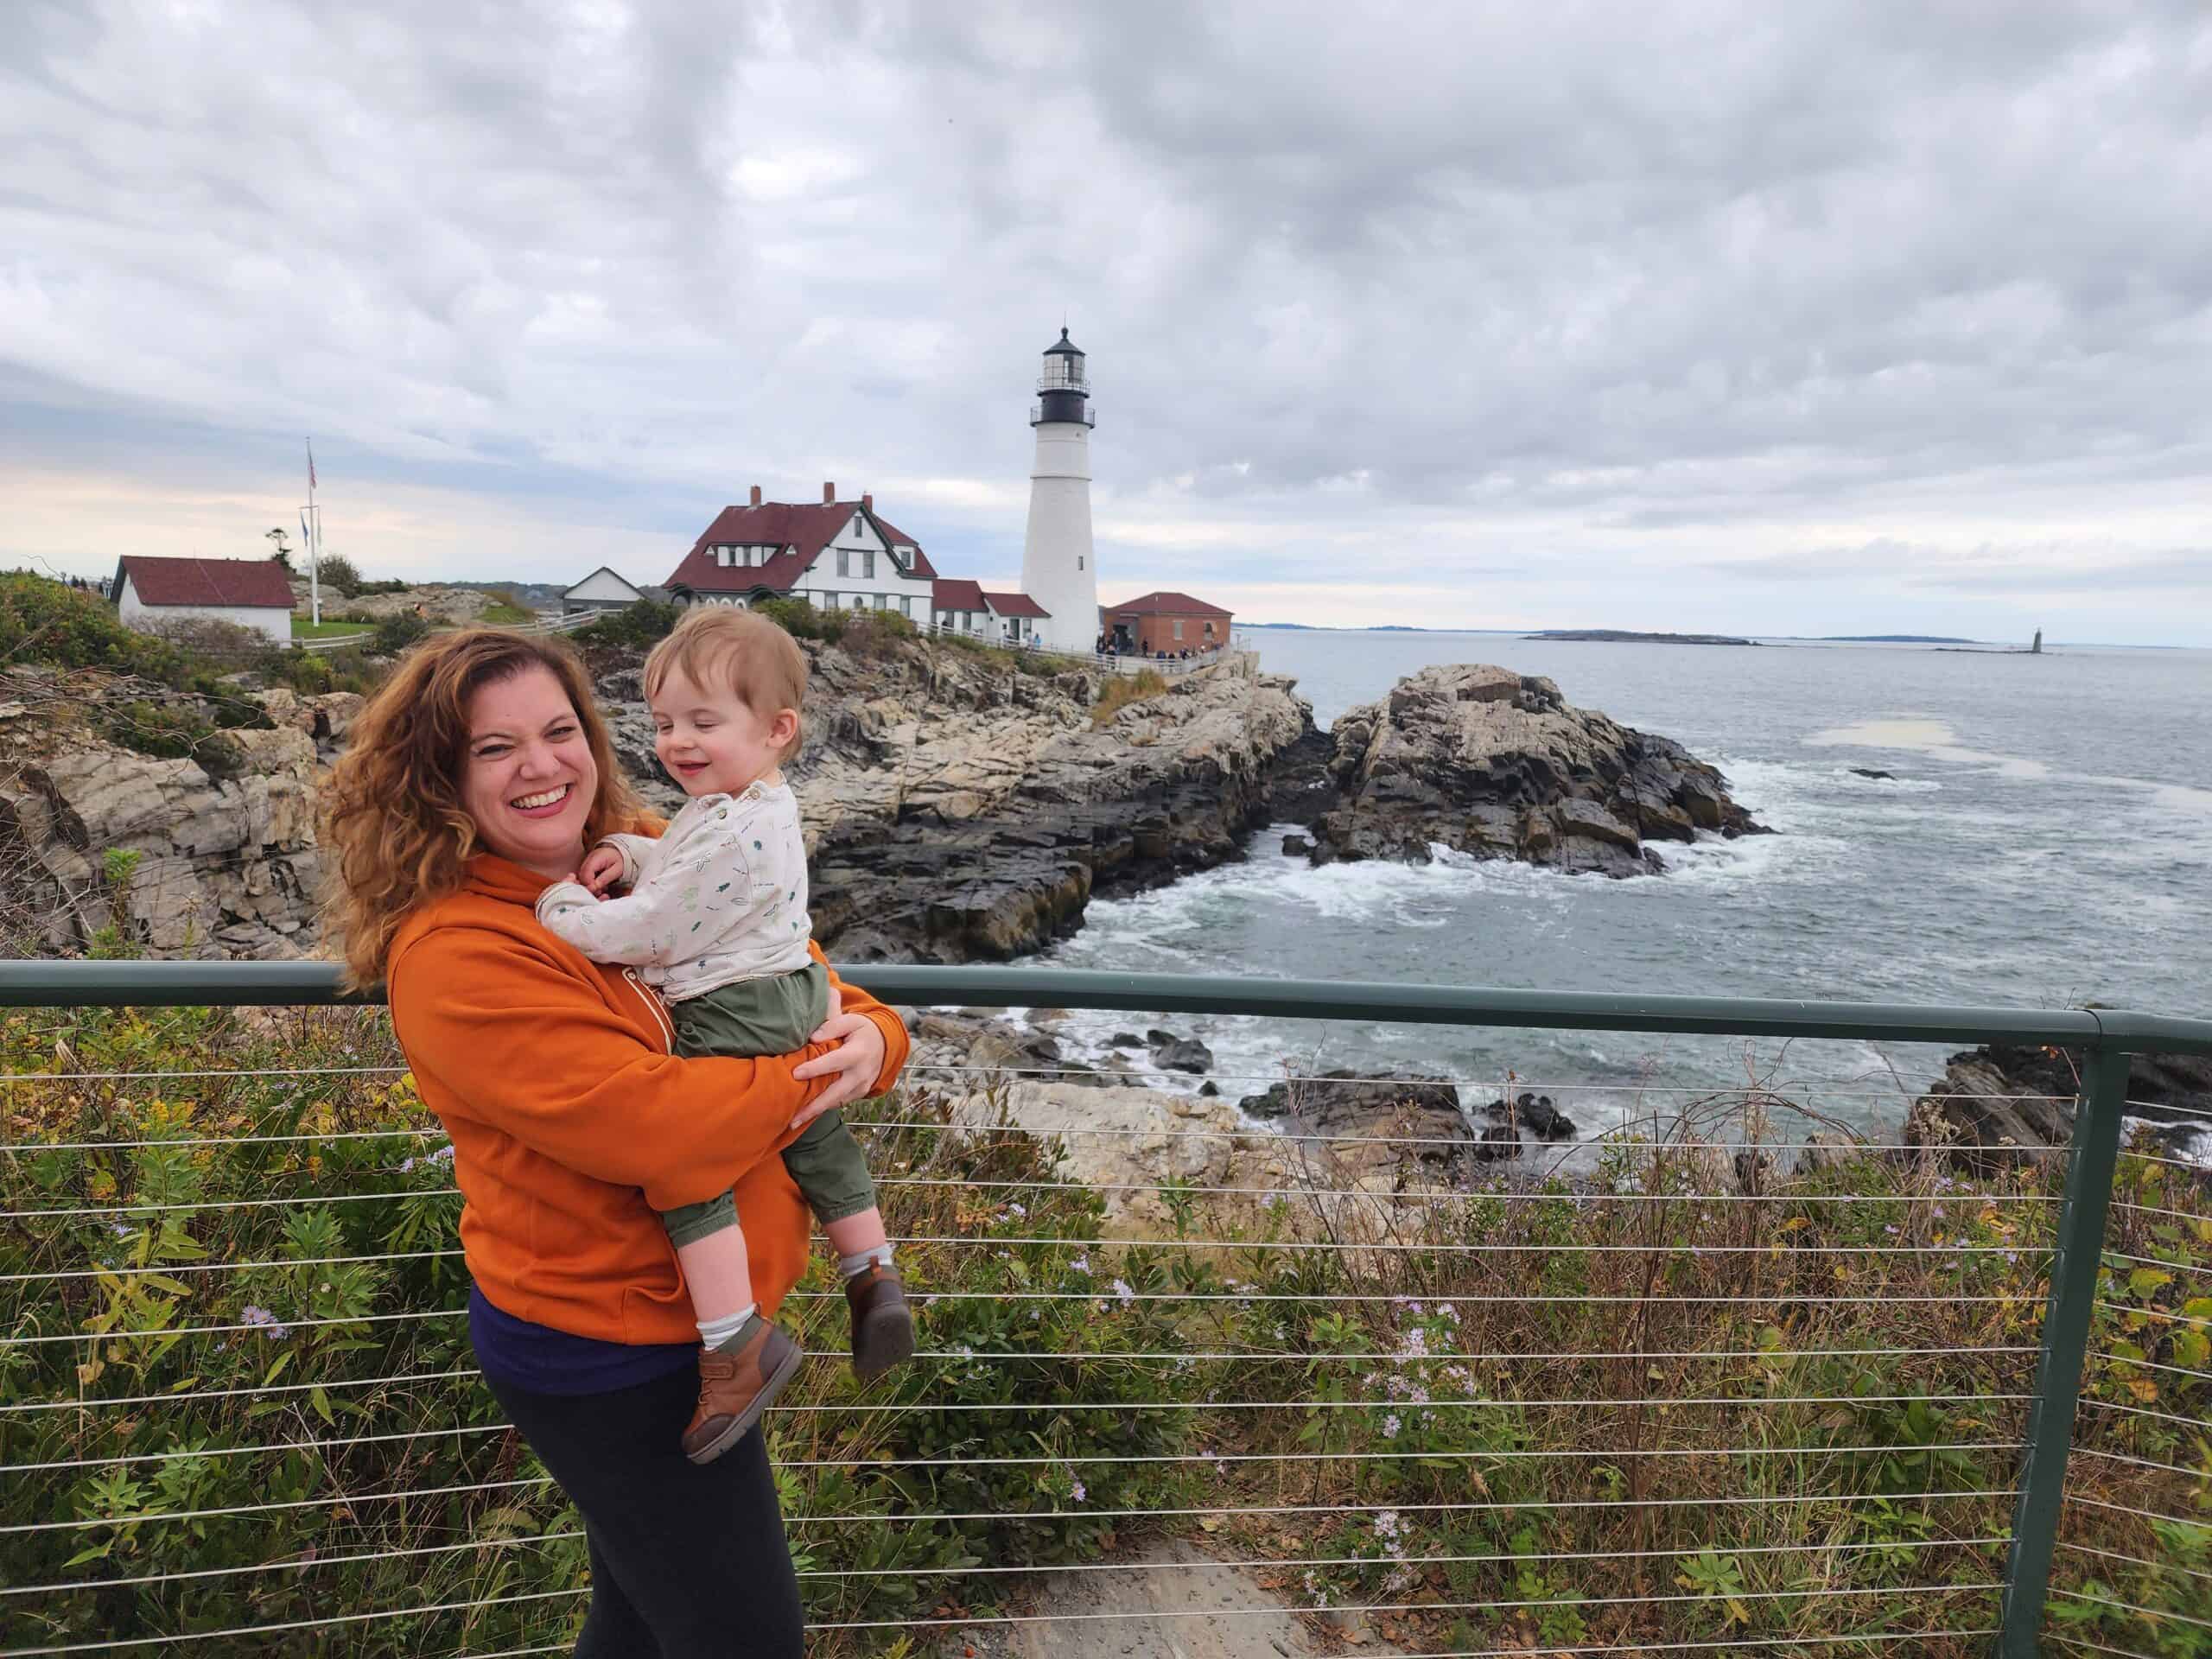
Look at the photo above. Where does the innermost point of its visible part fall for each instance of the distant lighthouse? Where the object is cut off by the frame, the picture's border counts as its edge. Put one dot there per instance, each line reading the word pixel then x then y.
pixel 1058 568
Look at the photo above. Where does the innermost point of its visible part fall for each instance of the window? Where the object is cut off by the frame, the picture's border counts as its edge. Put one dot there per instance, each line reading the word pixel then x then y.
pixel 867 563
pixel 1178 627
pixel 829 601
pixel 844 563
pixel 860 602
pixel 721 556
pixel 905 606
pixel 1078 561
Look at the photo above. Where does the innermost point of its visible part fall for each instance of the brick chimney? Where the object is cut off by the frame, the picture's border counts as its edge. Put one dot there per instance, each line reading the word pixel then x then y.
pixel 868 502
pixel 828 494
pixel 756 495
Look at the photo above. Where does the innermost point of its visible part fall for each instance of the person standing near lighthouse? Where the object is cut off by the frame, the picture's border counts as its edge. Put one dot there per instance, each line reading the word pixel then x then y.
pixel 1058 568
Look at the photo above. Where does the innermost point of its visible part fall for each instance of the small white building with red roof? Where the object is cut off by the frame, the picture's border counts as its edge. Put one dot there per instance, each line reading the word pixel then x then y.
pixel 834 554
pixel 254 594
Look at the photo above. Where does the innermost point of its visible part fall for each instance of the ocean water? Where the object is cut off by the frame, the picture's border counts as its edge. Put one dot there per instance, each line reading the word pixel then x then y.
pixel 2046 841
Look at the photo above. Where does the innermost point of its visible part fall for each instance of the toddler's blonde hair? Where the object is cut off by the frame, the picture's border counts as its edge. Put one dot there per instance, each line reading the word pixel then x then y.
pixel 754 658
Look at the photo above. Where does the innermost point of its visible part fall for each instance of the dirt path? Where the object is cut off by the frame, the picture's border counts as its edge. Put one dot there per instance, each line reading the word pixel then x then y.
pixel 1158 1614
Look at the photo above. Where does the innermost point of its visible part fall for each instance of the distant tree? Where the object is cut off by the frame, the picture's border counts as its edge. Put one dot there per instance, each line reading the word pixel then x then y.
pixel 283 553
pixel 337 571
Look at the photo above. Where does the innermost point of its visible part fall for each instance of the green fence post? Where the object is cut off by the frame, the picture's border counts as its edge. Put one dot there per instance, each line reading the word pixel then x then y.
pixel 2078 1257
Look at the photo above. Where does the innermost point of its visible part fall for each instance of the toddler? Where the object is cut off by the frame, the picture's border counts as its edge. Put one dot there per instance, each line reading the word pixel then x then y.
pixel 716 918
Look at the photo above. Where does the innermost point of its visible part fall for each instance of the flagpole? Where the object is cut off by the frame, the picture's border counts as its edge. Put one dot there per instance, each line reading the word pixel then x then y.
pixel 314 547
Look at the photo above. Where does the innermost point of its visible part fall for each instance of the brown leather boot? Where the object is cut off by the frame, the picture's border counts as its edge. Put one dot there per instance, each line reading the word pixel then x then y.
pixel 736 1386
pixel 883 1331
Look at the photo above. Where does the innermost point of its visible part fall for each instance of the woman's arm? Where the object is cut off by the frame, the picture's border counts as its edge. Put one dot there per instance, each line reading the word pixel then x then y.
pixel 530 1047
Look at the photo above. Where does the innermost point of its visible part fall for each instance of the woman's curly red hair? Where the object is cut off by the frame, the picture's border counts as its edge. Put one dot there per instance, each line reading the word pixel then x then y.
pixel 394 833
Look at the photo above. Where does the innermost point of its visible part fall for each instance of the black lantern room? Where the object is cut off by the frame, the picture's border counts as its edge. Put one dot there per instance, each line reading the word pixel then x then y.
pixel 1063 387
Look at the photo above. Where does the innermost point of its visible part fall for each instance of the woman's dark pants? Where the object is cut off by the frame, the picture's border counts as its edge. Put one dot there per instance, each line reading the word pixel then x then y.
pixel 687 1562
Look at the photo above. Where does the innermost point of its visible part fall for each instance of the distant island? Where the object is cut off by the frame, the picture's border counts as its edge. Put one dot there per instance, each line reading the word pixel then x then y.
pixel 1892 639
pixel 1623 636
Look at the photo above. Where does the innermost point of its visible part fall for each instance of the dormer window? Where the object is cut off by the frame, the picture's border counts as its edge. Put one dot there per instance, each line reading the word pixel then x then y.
pixel 721 556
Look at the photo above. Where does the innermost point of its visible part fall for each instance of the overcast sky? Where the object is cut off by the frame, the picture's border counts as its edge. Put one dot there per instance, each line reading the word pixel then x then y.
pixel 1811 317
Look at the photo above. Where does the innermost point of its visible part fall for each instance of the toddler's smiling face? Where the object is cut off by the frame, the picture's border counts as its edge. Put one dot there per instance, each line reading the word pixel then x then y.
pixel 712 742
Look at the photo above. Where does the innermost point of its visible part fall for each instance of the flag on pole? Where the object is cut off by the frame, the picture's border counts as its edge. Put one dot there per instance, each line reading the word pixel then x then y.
pixel 305 538
pixel 310 463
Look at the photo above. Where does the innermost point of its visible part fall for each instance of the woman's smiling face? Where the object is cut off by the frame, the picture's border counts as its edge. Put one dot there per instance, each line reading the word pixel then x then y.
pixel 528 779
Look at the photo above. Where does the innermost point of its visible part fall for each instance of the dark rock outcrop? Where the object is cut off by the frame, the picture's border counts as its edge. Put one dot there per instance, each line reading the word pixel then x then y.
pixel 1343 1104
pixel 1999 1105
pixel 1495 763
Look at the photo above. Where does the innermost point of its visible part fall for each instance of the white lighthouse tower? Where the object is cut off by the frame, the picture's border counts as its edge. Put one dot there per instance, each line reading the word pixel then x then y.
pixel 1057 570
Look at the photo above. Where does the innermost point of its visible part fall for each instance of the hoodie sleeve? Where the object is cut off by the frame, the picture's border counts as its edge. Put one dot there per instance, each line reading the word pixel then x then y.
pixel 533 1047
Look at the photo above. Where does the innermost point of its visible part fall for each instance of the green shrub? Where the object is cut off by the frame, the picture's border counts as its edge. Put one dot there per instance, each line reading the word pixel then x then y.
pixel 1122 690
pixel 641 626
pixel 800 619
pixel 42 621
pixel 873 635
pixel 166 731
pixel 389 585
pixel 396 633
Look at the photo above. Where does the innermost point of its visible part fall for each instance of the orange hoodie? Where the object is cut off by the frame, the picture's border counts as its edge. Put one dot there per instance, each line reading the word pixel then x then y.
pixel 572 1121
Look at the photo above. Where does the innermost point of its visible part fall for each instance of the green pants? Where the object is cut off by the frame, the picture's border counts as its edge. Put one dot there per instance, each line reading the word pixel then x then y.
pixel 755 1017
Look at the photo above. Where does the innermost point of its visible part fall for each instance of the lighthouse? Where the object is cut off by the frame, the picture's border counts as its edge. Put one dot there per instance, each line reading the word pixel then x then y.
pixel 1058 568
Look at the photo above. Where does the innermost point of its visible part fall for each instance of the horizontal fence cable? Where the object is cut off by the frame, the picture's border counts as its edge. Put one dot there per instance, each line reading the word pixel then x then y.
pixel 2148 1313
pixel 1204 1566
pixel 2129 1409
pixel 2185 1472
pixel 1370 1455
pixel 181 1268
pixel 1422 1195
pixel 987 1621
pixel 2084 1499
pixel 99 1404
pixel 330 1622
pixel 2152 1613
pixel 172 1456
pixel 1044 1407
pixel 2094 1646
pixel 267 1330
pixel 432 1131
pixel 347 1499
pixel 2155 1365
pixel 1387 1246
pixel 143 1076
pixel 1107 1295
pixel 2135 1561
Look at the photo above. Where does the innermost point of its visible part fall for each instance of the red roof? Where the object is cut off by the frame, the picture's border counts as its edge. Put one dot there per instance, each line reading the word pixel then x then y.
pixel 1166 602
pixel 1015 604
pixel 807 527
pixel 258 583
pixel 956 594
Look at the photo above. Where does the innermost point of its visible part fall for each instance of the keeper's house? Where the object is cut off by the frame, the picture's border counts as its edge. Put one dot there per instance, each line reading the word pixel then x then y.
pixel 1165 621
pixel 152 593
pixel 958 605
pixel 605 589
pixel 834 555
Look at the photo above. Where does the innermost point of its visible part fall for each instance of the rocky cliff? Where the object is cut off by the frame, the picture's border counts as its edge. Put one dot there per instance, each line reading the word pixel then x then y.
pixel 221 857
pixel 1496 763
pixel 960 805
pixel 957 810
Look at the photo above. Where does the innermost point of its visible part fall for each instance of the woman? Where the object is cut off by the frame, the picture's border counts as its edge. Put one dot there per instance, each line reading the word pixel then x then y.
pixel 479 774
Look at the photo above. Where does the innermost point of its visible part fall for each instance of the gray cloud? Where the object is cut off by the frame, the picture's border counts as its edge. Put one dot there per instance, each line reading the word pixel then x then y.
pixel 1602 288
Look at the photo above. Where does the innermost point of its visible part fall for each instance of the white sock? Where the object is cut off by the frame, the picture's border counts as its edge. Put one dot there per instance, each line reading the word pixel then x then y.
pixel 851 1267
pixel 715 1332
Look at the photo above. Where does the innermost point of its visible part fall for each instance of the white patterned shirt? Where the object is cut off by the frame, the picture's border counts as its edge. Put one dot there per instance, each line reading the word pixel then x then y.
pixel 719 897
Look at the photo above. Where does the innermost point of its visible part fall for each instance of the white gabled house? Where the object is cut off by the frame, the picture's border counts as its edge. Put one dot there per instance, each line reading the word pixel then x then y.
pixel 252 593
pixel 602 590
pixel 834 555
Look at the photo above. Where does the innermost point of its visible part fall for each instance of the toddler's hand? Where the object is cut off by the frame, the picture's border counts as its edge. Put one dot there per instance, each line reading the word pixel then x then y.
pixel 600 871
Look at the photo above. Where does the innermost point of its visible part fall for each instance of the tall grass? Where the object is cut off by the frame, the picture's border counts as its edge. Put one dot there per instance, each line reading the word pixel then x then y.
pixel 1387 1427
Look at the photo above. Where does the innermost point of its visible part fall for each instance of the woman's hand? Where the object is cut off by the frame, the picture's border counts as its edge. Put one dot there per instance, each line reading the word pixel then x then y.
pixel 856 1062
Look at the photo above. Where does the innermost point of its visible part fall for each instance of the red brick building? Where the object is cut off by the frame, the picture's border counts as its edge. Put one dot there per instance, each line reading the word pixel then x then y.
pixel 1165 621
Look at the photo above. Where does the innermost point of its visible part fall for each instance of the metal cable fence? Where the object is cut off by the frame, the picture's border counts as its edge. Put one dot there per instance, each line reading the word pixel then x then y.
pixel 1712 1380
